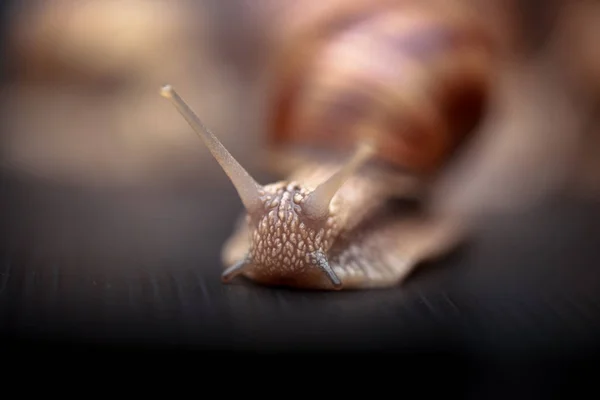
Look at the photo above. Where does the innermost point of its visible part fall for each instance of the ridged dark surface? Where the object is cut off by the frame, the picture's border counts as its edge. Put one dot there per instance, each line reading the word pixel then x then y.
pixel 138 267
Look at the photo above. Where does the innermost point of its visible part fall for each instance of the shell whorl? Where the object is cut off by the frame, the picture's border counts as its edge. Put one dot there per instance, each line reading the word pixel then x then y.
pixel 412 74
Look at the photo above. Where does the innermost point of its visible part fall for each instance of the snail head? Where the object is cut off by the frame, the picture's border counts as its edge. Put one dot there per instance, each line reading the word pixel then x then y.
pixel 292 227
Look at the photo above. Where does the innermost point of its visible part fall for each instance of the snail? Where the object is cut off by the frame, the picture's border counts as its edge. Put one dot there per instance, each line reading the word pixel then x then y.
pixel 388 92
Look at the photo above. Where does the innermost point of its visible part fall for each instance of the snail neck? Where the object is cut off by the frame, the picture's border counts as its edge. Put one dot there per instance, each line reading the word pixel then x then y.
pixel 365 191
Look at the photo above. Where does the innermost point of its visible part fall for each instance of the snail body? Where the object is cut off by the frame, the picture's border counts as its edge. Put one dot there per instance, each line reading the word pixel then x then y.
pixel 402 85
pixel 375 232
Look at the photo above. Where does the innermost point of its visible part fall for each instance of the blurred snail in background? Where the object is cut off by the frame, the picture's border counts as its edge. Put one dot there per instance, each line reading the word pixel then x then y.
pixel 415 75
pixel 368 102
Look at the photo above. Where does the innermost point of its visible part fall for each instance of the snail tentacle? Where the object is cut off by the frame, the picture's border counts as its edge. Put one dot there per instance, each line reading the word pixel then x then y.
pixel 322 262
pixel 236 269
pixel 248 189
pixel 316 205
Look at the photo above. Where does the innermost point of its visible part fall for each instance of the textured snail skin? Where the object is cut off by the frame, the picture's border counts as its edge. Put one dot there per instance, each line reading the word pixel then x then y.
pixel 312 235
pixel 370 239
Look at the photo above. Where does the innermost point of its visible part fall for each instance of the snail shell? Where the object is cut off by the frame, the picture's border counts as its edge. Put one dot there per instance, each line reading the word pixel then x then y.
pixel 413 74
pixel 402 84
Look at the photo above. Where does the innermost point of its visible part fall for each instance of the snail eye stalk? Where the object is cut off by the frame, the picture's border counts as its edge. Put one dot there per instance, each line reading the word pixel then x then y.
pixel 316 205
pixel 246 187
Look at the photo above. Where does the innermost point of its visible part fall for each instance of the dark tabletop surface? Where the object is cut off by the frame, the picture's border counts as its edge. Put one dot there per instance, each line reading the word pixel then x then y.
pixel 141 267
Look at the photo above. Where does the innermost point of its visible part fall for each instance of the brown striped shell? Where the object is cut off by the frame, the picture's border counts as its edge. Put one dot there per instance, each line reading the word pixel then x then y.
pixel 414 74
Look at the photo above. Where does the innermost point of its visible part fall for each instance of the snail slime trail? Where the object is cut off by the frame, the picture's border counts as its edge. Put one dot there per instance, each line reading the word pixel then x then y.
pixel 327 227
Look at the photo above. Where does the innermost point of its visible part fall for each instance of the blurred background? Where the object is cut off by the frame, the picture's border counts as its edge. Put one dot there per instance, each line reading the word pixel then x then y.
pixel 113 213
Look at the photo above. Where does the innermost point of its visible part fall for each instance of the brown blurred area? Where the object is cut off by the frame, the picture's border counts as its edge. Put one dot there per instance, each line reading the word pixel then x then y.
pixel 540 138
pixel 100 174
pixel 80 103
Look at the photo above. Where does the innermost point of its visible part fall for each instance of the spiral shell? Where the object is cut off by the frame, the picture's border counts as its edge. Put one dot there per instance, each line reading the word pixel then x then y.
pixel 415 75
